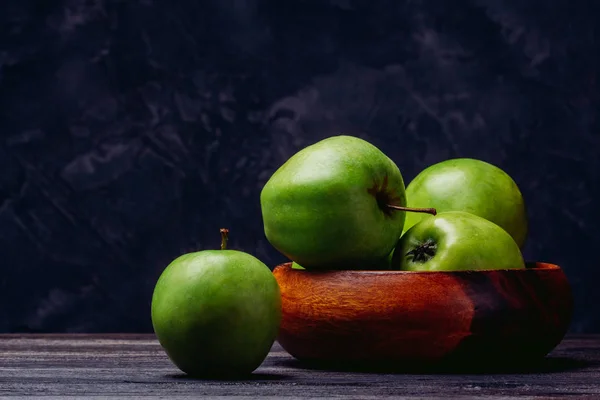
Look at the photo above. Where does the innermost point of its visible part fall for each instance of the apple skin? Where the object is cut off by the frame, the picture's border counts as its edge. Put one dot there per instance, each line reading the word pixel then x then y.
pixel 216 312
pixel 324 208
pixel 297 266
pixel 475 186
pixel 457 241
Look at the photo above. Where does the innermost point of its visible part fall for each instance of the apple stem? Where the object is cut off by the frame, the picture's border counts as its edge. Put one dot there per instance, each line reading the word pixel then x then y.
pixel 431 211
pixel 224 238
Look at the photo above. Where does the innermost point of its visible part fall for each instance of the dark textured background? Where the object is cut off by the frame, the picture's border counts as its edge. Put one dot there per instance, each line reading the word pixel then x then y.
pixel 131 131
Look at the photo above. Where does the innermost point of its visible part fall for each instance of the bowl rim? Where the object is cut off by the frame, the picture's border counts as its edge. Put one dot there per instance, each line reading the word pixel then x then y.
pixel 530 266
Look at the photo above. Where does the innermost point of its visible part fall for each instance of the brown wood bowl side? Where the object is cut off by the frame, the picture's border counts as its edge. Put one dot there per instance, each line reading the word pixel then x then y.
pixel 423 317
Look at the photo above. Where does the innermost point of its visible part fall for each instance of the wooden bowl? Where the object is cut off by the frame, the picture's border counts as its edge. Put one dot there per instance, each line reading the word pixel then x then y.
pixel 423 318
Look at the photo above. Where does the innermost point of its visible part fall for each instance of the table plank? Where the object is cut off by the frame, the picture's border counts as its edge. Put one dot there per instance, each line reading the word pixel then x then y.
pixel 124 365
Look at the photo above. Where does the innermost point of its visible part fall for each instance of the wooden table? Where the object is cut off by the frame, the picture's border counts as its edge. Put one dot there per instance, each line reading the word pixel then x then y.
pixel 119 366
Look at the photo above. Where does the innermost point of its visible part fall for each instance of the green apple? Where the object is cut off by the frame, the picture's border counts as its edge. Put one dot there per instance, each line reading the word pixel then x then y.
pixel 456 240
pixel 475 186
pixel 336 204
pixel 216 312
pixel 297 266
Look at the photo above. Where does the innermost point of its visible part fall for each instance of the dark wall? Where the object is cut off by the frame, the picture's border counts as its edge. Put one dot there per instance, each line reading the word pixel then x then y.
pixel 131 131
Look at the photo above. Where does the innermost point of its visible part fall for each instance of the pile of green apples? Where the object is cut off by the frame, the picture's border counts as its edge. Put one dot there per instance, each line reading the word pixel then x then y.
pixel 340 203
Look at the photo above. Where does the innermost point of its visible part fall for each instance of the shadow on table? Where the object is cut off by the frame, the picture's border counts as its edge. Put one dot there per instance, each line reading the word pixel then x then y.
pixel 256 377
pixel 545 365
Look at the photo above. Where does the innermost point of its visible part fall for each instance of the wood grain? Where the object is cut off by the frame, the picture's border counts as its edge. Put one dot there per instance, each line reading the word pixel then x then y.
pixel 134 366
pixel 421 318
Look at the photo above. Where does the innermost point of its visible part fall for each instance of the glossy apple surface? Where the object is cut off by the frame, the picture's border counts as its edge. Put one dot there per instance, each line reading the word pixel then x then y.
pixel 327 206
pixel 470 185
pixel 456 241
